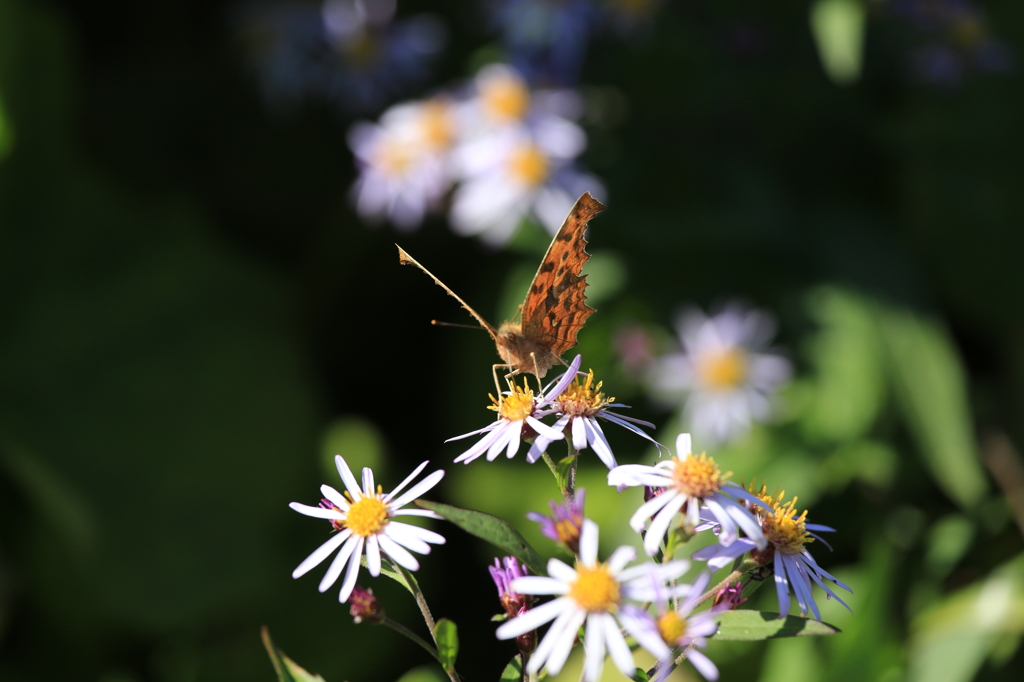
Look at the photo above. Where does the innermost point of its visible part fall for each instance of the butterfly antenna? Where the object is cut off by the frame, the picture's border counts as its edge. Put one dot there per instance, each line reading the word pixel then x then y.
pixel 439 323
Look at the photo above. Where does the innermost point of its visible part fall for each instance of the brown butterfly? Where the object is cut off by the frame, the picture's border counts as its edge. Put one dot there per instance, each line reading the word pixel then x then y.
pixel 554 309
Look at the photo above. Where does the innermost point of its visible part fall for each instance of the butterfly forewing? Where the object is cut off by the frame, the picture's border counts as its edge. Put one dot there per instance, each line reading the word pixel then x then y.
pixel 555 307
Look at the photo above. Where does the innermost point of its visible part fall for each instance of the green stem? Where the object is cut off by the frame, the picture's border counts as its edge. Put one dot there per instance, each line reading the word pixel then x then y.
pixel 428 618
pixel 735 575
pixel 401 629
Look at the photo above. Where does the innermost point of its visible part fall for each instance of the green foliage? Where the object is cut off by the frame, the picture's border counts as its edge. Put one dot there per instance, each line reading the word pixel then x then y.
pixel 513 672
pixel 498 532
pixel 743 624
pixel 446 634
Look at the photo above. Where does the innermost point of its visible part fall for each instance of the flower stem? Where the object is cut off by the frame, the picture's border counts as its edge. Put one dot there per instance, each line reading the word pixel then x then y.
pixel 428 618
pixel 401 629
pixel 735 575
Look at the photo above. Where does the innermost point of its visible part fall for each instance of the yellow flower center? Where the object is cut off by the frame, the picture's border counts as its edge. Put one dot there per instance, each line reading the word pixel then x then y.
pixel 528 165
pixel 568 531
pixel 724 368
pixel 698 475
pixel 784 528
pixel 583 399
pixel 393 158
pixel 505 98
pixel 367 516
pixel 516 406
pixel 595 590
pixel 672 627
pixel 437 125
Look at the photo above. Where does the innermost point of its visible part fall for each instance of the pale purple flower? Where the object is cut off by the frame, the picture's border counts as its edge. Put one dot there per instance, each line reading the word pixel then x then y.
pixel 565 523
pixel 518 413
pixel 364 519
pixel 787 534
pixel 726 376
pixel 690 483
pixel 590 595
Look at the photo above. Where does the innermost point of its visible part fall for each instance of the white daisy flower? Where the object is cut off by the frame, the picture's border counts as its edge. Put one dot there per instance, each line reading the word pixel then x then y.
pixel 674 630
pixel 591 594
pixel 727 379
pixel 516 159
pixel 688 483
pixel 578 407
pixel 518 415
pixel 787 533
pixel 364 519
pixel 403 160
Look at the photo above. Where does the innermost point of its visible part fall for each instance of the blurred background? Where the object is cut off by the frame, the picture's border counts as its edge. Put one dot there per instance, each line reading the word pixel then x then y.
pixel 201 304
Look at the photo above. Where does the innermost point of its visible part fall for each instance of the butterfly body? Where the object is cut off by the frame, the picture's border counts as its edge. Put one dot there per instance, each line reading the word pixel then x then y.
pixel 555 309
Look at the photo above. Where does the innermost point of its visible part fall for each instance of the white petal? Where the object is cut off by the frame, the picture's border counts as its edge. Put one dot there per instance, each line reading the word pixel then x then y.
pixel 563 630
pixel 539 584
pixel 649 508
pixel 351 574
pixel 579 434
pixel 421 534
pixel 351 551
pixel 321 553
pixel 317 512
pixel 398 533
pixel 659 526
pixel 373 556
pixel 335 497
pixel 617 647
pixel 594 643
pixel 620 557
pixel 390 496
pixel 346 476
pixel 703 665
pixel 369 488
pixel 533 618
pixel 588 543
pixel 683 446
pixel 561 571
pixel 418 489
pixel 398 553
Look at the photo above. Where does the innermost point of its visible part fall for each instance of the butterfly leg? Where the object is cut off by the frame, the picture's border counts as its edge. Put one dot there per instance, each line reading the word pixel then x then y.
pixel 494 372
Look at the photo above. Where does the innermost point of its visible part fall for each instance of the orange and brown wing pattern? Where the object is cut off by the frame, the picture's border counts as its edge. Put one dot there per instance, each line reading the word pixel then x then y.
pixel 555 308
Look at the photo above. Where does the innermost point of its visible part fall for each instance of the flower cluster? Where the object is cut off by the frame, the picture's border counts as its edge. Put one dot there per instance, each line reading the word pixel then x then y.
pixel 684 495
pixel 504 152
pixel 576 404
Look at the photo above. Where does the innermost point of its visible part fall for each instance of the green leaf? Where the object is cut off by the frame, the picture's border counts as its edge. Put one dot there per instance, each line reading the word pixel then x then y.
pixel 756 625
pixel 446 634
pixel 287 670
pixel 838 30
pixel 931 388
pixel 402 577
pixel 498 532
pixel 513 672
pixel 562 471
pixel 640 675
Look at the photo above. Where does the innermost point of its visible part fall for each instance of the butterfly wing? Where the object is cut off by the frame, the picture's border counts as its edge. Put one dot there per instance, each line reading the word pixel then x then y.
pixel 555 308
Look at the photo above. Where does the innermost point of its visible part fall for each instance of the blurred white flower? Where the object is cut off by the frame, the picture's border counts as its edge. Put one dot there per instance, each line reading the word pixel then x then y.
pixel 516 158
pixel 403 162
pixel 726 375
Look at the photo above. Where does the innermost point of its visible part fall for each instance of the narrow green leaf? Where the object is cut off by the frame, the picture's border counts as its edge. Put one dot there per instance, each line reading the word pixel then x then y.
pixel 403 578
pixel 640 675
pixel 932 391
pixel 756 625
pixel 446 634
pixel 498 532
pixel 287 670
pixel 513 672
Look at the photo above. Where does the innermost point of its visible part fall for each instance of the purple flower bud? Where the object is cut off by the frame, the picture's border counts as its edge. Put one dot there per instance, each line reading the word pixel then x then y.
pixel 363 606
pixel 565 522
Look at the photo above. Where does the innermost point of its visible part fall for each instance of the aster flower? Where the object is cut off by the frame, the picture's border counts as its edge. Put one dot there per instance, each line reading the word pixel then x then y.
pixel 689 483
pixel 592 595
pixel 516 158
pixel 514 603
pixel 675 629
pixel 725 379
pixel 565 523
pixel 546 39
pixel 518 411
pixel 579 407
pixel 787 533
pixel 403 162
pixel 364 519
